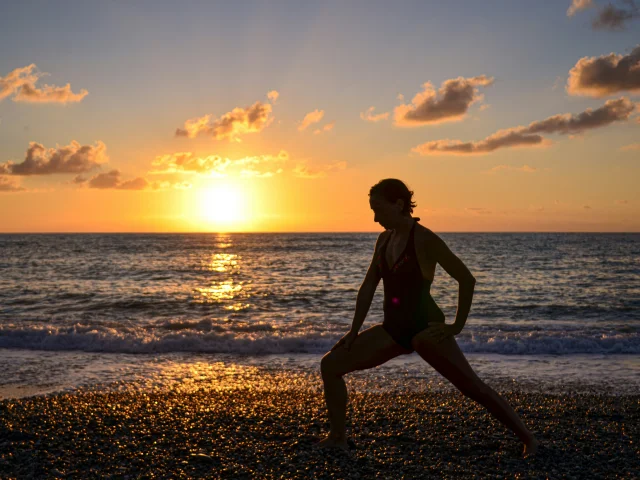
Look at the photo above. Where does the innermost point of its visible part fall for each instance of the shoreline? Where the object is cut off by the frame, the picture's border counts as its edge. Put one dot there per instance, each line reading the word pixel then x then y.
pixel 36 372
pixel 267 430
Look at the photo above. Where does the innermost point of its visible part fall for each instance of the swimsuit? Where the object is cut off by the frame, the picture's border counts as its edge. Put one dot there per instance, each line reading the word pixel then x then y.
pixel 408 305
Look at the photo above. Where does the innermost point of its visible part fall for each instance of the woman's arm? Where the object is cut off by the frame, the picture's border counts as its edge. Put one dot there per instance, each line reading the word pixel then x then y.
pixel 368 287
pixel 364 298
pixel 439 252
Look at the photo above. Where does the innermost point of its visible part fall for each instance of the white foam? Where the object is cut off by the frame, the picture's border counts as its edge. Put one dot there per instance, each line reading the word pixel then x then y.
pixel 260 341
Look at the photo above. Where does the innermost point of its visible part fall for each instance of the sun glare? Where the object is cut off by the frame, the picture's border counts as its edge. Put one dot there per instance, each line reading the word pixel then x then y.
pixel 222 206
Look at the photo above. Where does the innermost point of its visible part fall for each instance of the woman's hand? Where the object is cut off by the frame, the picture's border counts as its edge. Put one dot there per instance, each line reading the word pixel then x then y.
pixel 347 340
pixel 436 332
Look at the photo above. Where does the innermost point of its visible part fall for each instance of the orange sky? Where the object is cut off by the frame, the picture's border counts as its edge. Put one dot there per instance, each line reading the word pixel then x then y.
pixel 498 128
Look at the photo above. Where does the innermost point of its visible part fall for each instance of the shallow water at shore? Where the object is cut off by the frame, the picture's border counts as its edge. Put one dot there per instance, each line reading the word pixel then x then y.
pixel 69 371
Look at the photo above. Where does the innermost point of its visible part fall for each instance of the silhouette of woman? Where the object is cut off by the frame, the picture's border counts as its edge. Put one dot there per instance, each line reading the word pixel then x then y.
pixel 405 257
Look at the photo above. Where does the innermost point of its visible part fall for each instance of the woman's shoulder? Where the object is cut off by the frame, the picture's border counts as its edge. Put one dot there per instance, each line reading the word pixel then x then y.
pixel 382 238
pixel 424 234
pixel 422 230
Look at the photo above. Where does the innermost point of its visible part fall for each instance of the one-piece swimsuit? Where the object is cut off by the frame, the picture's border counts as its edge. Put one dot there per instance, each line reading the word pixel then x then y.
pixel 408 305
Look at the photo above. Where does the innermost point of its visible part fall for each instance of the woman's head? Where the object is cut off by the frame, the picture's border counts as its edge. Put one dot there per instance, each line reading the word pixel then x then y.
pixel 390 199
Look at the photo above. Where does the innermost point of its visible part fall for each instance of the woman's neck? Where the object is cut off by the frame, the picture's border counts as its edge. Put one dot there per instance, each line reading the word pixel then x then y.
pixel 404 226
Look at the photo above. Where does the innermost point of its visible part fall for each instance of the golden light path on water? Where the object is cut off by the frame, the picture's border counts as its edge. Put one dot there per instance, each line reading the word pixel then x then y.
pixel 219 291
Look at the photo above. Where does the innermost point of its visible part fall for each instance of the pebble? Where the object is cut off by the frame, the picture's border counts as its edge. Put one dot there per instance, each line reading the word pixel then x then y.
pixel 269 432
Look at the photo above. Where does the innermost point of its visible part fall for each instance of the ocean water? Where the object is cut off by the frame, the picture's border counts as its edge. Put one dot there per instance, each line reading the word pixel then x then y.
pixel 82 309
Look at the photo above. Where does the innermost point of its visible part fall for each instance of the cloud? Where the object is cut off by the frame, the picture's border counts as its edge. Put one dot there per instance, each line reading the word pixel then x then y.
pixel 194 126
pixel 630 148
pixel 310 118
pixel 563 124
pixel 327 128
pixel 273 96
pixel 21 83
pixel 250 166
pixel 500 139
pixel 370 117
pixel 615 18
pixel 605 75
pixel 73 158
pixel 612 111
pixel 10 185
pixel 113 181
pixel 579 5
pixel 303 170
pixel 16 78
pixel 242 121
pixel 231 125
pixel 186 162
pixel 450 103
pixel 217 166
pixel 252 172
pixel 49 94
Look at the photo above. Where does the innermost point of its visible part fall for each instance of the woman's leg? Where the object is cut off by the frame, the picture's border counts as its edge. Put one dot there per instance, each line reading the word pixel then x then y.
pixel 447 358
pixel 372 347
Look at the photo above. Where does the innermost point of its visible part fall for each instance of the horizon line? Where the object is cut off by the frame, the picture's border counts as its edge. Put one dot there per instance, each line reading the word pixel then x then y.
pixel 302 232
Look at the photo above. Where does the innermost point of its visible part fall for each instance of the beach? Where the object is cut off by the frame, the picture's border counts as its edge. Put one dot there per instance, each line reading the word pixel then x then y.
pixel 266 428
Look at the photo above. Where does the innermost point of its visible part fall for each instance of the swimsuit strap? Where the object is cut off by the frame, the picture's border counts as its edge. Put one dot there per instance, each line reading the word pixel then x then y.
pixel 409 247
pixel 410 244
pixel 410 240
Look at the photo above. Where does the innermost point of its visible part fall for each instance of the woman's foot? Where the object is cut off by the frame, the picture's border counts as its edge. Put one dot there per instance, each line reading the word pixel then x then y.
pixel 530 447
pixel 333 442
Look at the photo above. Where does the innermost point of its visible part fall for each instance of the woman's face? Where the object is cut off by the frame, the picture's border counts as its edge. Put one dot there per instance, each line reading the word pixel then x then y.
pixel 384 212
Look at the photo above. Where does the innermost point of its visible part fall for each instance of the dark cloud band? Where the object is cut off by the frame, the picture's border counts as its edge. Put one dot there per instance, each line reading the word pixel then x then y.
pixel 563 124
pixel 605 75
pixel 73 158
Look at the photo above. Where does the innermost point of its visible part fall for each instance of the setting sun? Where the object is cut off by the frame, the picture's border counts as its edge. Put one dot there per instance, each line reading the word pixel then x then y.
pixel 222 205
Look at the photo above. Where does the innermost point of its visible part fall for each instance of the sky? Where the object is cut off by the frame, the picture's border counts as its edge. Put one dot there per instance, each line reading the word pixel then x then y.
pixel 198 116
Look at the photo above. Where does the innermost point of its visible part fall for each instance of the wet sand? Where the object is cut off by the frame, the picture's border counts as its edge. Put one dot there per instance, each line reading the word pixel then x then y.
pixel 268 432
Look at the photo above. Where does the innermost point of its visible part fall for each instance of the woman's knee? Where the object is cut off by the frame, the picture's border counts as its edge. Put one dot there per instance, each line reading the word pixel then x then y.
pixel 329 365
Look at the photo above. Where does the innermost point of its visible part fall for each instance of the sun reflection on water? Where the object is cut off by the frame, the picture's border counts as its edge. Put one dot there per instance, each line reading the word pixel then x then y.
pixel 224 262
pixel 237 307
pixel 219 291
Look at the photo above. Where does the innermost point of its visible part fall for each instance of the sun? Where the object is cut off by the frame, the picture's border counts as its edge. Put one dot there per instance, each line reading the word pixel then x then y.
pixel 222 206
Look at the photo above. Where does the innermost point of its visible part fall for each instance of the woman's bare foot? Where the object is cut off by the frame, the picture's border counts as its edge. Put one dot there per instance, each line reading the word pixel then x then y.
pixel 530 447
pixel 333 442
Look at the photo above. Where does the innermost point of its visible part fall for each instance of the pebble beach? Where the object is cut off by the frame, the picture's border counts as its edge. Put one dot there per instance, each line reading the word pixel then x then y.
pixel 267 429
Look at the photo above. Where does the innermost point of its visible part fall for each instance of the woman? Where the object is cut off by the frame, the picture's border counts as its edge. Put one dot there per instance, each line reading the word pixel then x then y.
pixel 405 257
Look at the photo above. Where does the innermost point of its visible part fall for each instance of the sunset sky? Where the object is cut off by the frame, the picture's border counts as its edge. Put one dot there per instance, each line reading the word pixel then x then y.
pixel 193 116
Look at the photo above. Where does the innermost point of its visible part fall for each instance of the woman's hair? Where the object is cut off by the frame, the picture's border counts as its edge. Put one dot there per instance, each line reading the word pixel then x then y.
pixel 391 190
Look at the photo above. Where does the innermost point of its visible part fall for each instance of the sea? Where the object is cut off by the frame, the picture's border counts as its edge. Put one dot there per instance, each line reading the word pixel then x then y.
pixel 552 312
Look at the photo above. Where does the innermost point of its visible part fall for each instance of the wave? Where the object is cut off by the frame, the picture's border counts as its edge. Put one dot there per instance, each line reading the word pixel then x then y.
pixel 262 339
